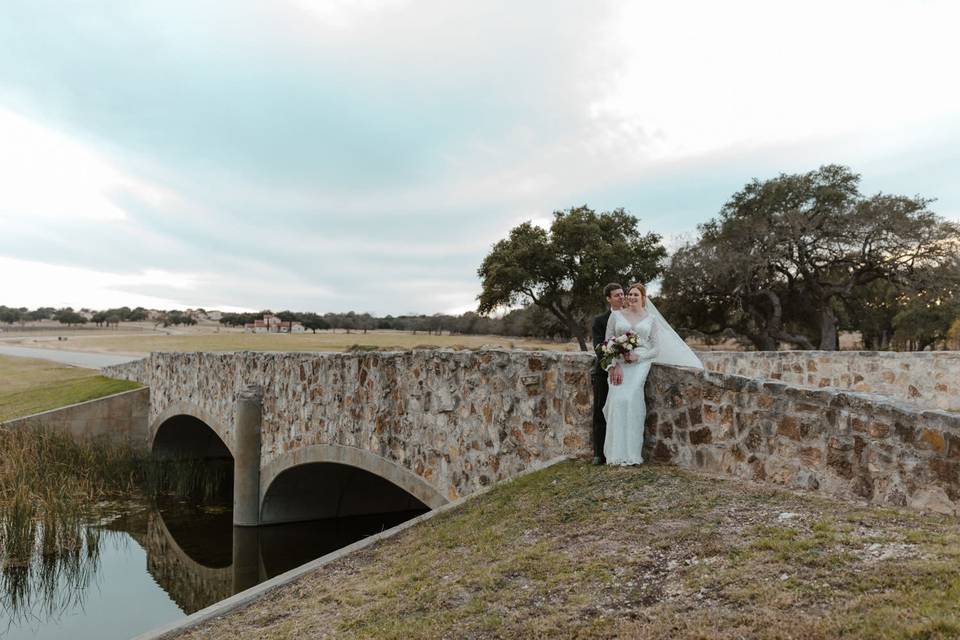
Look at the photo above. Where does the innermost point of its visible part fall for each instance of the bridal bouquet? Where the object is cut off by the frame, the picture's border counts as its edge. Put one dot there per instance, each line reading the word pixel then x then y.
pixel 616 347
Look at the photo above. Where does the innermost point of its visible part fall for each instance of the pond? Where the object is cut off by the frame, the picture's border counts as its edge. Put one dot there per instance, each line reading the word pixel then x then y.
pixel 151 565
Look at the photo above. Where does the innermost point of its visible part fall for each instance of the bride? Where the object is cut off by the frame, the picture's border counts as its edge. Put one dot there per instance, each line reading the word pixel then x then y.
pixel 626 409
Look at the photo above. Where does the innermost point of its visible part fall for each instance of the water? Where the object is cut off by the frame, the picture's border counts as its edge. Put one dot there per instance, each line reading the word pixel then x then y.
pixel 152 566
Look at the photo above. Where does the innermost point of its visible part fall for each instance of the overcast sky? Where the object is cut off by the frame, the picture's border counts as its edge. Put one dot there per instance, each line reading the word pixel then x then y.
pixel 330 155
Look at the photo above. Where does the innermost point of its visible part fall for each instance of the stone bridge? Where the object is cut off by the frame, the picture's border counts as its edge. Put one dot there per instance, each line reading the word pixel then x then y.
pixel 348 434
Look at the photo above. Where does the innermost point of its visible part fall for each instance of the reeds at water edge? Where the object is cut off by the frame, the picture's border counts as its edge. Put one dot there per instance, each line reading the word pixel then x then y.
pixel 53 490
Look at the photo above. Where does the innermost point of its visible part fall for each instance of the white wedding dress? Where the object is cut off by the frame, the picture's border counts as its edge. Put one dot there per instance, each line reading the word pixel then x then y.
pixel 626 407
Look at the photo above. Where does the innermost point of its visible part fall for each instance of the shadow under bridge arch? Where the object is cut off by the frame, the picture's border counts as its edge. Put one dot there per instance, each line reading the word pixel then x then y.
pixel 333 481
pixel 196 458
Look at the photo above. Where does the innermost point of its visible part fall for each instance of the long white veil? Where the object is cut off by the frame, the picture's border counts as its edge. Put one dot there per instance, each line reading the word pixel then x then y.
pixel 673 350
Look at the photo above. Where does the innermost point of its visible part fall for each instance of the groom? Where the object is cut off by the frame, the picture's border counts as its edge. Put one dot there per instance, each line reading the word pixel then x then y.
pixel 613 293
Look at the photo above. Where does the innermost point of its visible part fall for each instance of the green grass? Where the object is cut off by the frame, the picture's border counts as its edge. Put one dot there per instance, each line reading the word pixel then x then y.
pixel 655 552
pixel 30 386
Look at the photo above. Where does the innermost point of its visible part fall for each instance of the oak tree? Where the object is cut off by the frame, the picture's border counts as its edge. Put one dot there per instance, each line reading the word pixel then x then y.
pixel 807 242
pixel 563 269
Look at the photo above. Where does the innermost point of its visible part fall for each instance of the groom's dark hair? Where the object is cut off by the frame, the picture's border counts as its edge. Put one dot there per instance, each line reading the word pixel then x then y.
pixel 610 288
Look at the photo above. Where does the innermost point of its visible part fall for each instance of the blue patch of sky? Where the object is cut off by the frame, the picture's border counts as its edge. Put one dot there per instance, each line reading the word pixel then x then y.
pixel 330 121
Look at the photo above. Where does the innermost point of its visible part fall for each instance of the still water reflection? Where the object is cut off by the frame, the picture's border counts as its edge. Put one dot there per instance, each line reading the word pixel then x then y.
pixel 154 565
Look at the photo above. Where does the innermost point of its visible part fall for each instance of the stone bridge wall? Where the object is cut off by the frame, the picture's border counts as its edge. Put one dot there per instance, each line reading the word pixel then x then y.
pixel 845 444
pixel 927 378
pixel 461 420
pixel 457 419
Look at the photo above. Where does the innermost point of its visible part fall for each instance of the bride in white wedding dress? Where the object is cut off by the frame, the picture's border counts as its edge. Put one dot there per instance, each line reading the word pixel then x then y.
pixel 626 408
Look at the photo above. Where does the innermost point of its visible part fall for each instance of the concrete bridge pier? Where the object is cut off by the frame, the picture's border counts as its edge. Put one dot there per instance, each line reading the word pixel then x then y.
pixel 246 558
pixel 246 458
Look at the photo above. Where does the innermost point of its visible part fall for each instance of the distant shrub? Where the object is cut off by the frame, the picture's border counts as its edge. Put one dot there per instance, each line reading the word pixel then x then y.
pixel 364 348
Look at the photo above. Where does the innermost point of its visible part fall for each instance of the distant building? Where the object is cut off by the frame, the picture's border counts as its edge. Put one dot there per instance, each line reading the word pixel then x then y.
pixel 273 324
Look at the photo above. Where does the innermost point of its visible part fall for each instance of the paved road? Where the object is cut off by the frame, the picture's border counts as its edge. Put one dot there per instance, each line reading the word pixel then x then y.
pixel 75 358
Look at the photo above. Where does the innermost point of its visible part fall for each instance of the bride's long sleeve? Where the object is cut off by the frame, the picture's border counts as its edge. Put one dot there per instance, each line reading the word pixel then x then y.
pixel 653 350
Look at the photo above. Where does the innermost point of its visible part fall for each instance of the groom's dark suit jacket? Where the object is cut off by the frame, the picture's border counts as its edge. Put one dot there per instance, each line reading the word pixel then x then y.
pixel 600 386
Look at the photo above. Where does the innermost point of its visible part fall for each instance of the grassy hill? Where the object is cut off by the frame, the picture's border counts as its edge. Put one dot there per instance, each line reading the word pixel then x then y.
pixel 649 552
pixel 30 386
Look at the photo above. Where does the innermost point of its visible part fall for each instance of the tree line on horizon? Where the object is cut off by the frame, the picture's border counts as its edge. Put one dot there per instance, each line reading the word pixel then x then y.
pixel 525 322
pixel 528 321
pixel 104 318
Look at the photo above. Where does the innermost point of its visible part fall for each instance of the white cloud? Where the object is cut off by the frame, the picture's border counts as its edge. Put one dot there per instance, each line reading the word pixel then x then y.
pixel 342 14
pixel 46 175
pixel 697 77
pixel 35 284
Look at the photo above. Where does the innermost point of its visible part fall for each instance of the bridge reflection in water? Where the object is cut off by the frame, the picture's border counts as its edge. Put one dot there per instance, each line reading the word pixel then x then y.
pixel 310 507
pixel 199 558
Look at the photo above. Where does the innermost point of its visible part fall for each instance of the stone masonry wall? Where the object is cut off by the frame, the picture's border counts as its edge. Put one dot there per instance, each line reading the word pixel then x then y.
pixel 458 419
pixel 461 420
pixel 927 378
pixel 844 444
pixel 137 370
pixel 119 419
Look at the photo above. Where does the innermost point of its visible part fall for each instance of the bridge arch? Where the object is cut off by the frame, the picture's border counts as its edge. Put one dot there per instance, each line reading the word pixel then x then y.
pixel 196 458
pixel 188 414
pixel 329 480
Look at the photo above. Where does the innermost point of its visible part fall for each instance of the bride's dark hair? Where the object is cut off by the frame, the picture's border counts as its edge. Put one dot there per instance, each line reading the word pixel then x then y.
pixel 643 290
